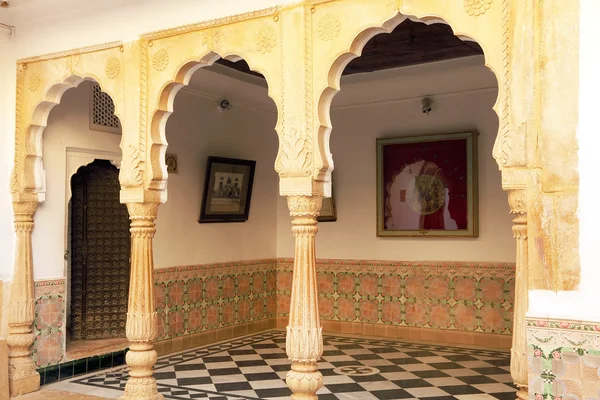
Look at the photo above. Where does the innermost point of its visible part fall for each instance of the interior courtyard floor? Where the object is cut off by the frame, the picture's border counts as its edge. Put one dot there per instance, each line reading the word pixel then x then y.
pixel 254 367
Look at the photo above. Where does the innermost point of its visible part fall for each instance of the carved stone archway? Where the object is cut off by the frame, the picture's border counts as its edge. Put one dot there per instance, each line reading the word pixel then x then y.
pixel 301 50
pixel 41 82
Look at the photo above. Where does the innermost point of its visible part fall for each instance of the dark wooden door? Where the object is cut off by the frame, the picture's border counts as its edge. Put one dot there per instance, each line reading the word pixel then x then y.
pixel 100 252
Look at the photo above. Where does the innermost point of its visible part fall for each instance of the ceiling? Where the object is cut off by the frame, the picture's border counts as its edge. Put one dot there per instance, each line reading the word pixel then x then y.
pixel 409 44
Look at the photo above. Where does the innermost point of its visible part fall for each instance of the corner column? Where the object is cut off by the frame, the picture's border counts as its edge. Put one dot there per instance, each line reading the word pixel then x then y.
pixel 304 340
pixel 22 374
pixel 141 313
pixel 518 362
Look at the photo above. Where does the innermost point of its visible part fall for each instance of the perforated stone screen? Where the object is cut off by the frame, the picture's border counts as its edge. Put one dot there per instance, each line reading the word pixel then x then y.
pixel 102 117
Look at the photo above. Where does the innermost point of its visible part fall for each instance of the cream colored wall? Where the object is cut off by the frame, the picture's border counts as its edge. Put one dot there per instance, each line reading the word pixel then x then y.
pixel 196 130
pixel 464 92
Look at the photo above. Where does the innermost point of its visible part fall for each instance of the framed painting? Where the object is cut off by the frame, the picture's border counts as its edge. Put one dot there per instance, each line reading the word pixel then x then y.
pixel 427 186
pixel 227 190
pixel 328 212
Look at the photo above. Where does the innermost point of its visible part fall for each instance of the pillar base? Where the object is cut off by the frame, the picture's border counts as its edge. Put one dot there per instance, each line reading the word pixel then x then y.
pixel 304 380
pixel 24 385
pixel 141 389
pixel 522 393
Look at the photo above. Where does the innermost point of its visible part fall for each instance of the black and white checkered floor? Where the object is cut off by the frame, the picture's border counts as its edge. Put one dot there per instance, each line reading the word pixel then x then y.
pixel 254 367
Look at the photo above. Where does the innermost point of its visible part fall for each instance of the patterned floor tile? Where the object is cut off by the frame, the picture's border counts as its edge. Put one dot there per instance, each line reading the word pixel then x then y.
pixel 254 367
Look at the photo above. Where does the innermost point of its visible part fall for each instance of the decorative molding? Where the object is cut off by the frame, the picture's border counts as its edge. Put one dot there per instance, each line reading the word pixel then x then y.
pixel 210 23
pixel 51 287
pixel 73 52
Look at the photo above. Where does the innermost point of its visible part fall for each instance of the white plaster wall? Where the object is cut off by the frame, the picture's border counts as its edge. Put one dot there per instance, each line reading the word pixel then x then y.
pixel 464 92
pixel 196 130
pixel 582 304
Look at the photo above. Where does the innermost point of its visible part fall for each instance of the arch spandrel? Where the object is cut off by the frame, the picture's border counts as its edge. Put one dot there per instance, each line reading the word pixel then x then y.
pixel 342 28
pixel 41 82
pixel 171 61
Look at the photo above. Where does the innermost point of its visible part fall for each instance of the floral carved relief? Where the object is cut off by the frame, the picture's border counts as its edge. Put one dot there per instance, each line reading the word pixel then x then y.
pixel 34 82
pixel 329 27
pixel 296 149
pixel 477 7
pixel 160 60
pixel 266 40
pixel 112 68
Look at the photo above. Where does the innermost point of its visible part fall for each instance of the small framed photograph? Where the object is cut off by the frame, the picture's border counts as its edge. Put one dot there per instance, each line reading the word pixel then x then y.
pixel 328 212
pixel 227 190
pixel 427 186
pixel 171 161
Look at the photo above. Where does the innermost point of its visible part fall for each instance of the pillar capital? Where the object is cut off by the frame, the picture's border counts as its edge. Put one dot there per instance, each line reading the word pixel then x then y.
pixel 143 211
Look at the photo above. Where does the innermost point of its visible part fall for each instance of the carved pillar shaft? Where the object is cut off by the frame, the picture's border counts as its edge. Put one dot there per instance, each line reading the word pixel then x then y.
pixel 518 362
pixel 23 377
pixel 141 312
pixel 304 340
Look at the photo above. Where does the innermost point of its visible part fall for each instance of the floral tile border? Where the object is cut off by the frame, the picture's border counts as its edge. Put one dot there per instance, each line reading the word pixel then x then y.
pixel 49 322
pixel 459 296
pixel 564 359
pixel 463 296
pixel 194 299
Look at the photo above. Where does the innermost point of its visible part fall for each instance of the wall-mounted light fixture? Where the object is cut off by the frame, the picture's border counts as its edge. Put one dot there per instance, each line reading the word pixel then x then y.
pixel 426 102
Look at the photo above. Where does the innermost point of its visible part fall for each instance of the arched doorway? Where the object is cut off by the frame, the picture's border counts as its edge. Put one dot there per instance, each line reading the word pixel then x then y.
pixel 100 253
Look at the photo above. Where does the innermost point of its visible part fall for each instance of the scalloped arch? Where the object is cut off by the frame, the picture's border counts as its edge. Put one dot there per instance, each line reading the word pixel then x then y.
pixel 166 97
pixel 28 173
pixel 354 50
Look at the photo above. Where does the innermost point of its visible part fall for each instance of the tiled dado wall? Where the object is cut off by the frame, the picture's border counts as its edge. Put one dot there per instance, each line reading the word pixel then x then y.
pixel 49 324
pixel 469 303
pixel 564 360
pixel 460 301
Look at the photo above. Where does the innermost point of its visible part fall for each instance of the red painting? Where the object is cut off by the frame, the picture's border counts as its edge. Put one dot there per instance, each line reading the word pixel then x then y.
pixel 427 185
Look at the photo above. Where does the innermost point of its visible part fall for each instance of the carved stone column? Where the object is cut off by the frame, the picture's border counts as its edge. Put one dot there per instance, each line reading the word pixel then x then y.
pixel 23 377
pixel 141 313
pixel 518 361
pixel 304 340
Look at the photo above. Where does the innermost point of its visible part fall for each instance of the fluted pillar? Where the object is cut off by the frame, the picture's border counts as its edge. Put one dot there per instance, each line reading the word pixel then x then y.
pixel 141 312
pixel 518 362
pixel 23 377
pixel 304 340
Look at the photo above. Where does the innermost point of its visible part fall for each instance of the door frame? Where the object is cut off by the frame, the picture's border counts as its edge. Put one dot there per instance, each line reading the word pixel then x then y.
pixel 75 159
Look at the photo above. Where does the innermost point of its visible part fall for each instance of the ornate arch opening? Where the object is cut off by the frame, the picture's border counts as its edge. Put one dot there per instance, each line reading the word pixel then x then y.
pixel 353 51
pixel 165 106
pixel 28 173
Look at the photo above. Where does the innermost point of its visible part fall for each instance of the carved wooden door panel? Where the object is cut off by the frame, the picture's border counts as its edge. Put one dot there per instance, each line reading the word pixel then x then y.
pixel 100 251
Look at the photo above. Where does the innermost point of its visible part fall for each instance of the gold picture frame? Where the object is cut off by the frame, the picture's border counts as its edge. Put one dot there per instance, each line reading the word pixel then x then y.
pixel 427 186
pixel 328 211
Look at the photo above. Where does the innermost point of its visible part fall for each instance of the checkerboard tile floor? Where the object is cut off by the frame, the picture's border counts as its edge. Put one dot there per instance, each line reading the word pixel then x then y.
pixel 254 367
